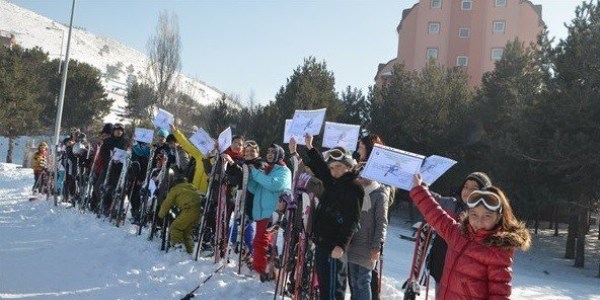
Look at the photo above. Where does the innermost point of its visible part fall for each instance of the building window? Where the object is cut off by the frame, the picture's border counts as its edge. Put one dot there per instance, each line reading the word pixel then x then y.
pixel 434 27
pixel 464 32
pixel 466 5
pixel 500 3
pixel 499 26
pixel 462 61
pixel 497 53
pixel 432 53
pixel 435 3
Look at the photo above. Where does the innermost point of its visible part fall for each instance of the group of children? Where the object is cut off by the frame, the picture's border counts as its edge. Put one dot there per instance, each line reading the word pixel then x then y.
pixel 471 256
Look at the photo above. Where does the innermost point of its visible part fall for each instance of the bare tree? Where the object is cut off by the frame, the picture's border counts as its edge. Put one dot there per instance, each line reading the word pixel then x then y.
pixel 164 50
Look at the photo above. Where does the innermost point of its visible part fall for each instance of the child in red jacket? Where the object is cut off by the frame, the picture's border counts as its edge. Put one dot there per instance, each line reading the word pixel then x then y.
pixel 480 247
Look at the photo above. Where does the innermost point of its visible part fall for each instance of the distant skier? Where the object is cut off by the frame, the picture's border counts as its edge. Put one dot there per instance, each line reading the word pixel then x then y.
pixel 40 164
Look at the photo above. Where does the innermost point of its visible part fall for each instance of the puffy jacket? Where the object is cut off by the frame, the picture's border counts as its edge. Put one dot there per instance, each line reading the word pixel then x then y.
pixel 184 196
pixel 200 177
pixel 336 216
pixel 267 188
pixel 478 264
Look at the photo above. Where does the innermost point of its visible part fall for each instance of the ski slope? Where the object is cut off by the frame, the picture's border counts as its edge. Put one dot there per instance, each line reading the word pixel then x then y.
pixel 32 29
pixel 49 252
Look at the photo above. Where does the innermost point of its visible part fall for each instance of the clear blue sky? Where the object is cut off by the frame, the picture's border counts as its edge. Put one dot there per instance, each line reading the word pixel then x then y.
pixel 252 46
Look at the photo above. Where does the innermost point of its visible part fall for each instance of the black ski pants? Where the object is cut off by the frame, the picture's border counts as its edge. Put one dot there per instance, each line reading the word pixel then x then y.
pixel 331 272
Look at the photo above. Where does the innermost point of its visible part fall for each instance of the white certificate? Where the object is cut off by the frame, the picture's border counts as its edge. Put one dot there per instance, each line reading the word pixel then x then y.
pixel 120 155
pixel 392 166
pixel 143 135
pixel 307 121
pixel 340 134
pixel 225 139
pixel 203 142
pixel 434 167
pixel 287 135
pixel 163 119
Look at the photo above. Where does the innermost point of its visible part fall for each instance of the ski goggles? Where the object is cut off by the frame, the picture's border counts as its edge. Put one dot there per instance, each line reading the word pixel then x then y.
pixel 490 200
pixel 251 144
pixel 336 154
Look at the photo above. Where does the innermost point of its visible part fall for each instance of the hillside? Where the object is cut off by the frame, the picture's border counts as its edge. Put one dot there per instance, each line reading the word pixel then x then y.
pixel 116 61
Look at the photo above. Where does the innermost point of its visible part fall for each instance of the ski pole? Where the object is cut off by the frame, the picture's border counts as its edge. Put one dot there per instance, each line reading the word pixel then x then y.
pixel 191 295
pixel 380 270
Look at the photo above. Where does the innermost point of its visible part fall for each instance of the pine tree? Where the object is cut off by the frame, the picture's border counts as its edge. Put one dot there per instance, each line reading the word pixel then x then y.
pixel 311 86
pixel 569 120
pixel 357 109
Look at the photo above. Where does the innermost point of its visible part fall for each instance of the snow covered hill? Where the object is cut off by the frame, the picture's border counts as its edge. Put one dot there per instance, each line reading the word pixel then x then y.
pixel 49 252
pixel 116 61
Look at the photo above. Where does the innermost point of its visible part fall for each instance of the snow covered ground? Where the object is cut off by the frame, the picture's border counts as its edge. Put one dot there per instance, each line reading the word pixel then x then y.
pixel 49 252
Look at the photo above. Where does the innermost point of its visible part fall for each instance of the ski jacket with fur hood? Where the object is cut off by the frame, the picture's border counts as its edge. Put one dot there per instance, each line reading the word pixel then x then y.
pixel 478 264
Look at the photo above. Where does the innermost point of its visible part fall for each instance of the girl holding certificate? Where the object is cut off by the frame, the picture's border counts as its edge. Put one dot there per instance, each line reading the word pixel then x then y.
pixel 336 216
pixel 480 247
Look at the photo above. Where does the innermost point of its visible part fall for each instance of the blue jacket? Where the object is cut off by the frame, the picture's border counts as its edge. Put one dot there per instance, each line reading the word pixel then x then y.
pixel 267 188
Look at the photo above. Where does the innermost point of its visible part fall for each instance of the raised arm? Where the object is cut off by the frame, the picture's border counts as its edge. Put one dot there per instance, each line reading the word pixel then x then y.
pixel 435 215
pixel 187 145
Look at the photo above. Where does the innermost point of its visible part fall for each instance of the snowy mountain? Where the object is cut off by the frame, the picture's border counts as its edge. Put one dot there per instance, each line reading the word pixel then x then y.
pixel 116 61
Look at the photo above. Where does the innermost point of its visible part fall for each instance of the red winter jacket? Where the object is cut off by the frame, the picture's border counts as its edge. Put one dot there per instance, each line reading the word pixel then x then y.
pixel 473 268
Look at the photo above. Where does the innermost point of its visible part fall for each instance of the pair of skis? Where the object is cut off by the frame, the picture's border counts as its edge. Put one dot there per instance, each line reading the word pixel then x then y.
pixel 298 251
pixel 423 236
pixel 237 213
pixel 163 179
pixel 88 188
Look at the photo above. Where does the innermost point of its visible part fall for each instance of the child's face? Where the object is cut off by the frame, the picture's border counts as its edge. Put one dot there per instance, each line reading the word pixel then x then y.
pixel 338 169
pixel 470 186
pixel 483 218
pixel 250 153
pixel 237 145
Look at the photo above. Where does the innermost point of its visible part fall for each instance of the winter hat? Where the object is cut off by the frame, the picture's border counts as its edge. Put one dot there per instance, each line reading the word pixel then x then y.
pixel 162 132
pixel 171 138
pixel 43 145
pixel 118 126
pixel 279 152
pixel 339 154
pixel 107 128
pixel 482 179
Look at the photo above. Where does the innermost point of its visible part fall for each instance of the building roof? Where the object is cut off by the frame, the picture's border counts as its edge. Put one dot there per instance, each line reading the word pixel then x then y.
pixel 404 14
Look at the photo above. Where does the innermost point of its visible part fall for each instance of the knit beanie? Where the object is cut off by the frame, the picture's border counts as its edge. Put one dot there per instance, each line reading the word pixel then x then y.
pixel 107 129
pixel 279 152
pixel 481 178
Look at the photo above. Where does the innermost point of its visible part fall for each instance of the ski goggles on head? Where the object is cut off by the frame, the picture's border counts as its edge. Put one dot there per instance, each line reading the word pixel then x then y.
pixel 335 154
pixel 251 144
pixel 490 200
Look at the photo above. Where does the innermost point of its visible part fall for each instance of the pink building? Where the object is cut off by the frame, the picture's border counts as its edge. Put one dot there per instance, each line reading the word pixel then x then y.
pixel 468 33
